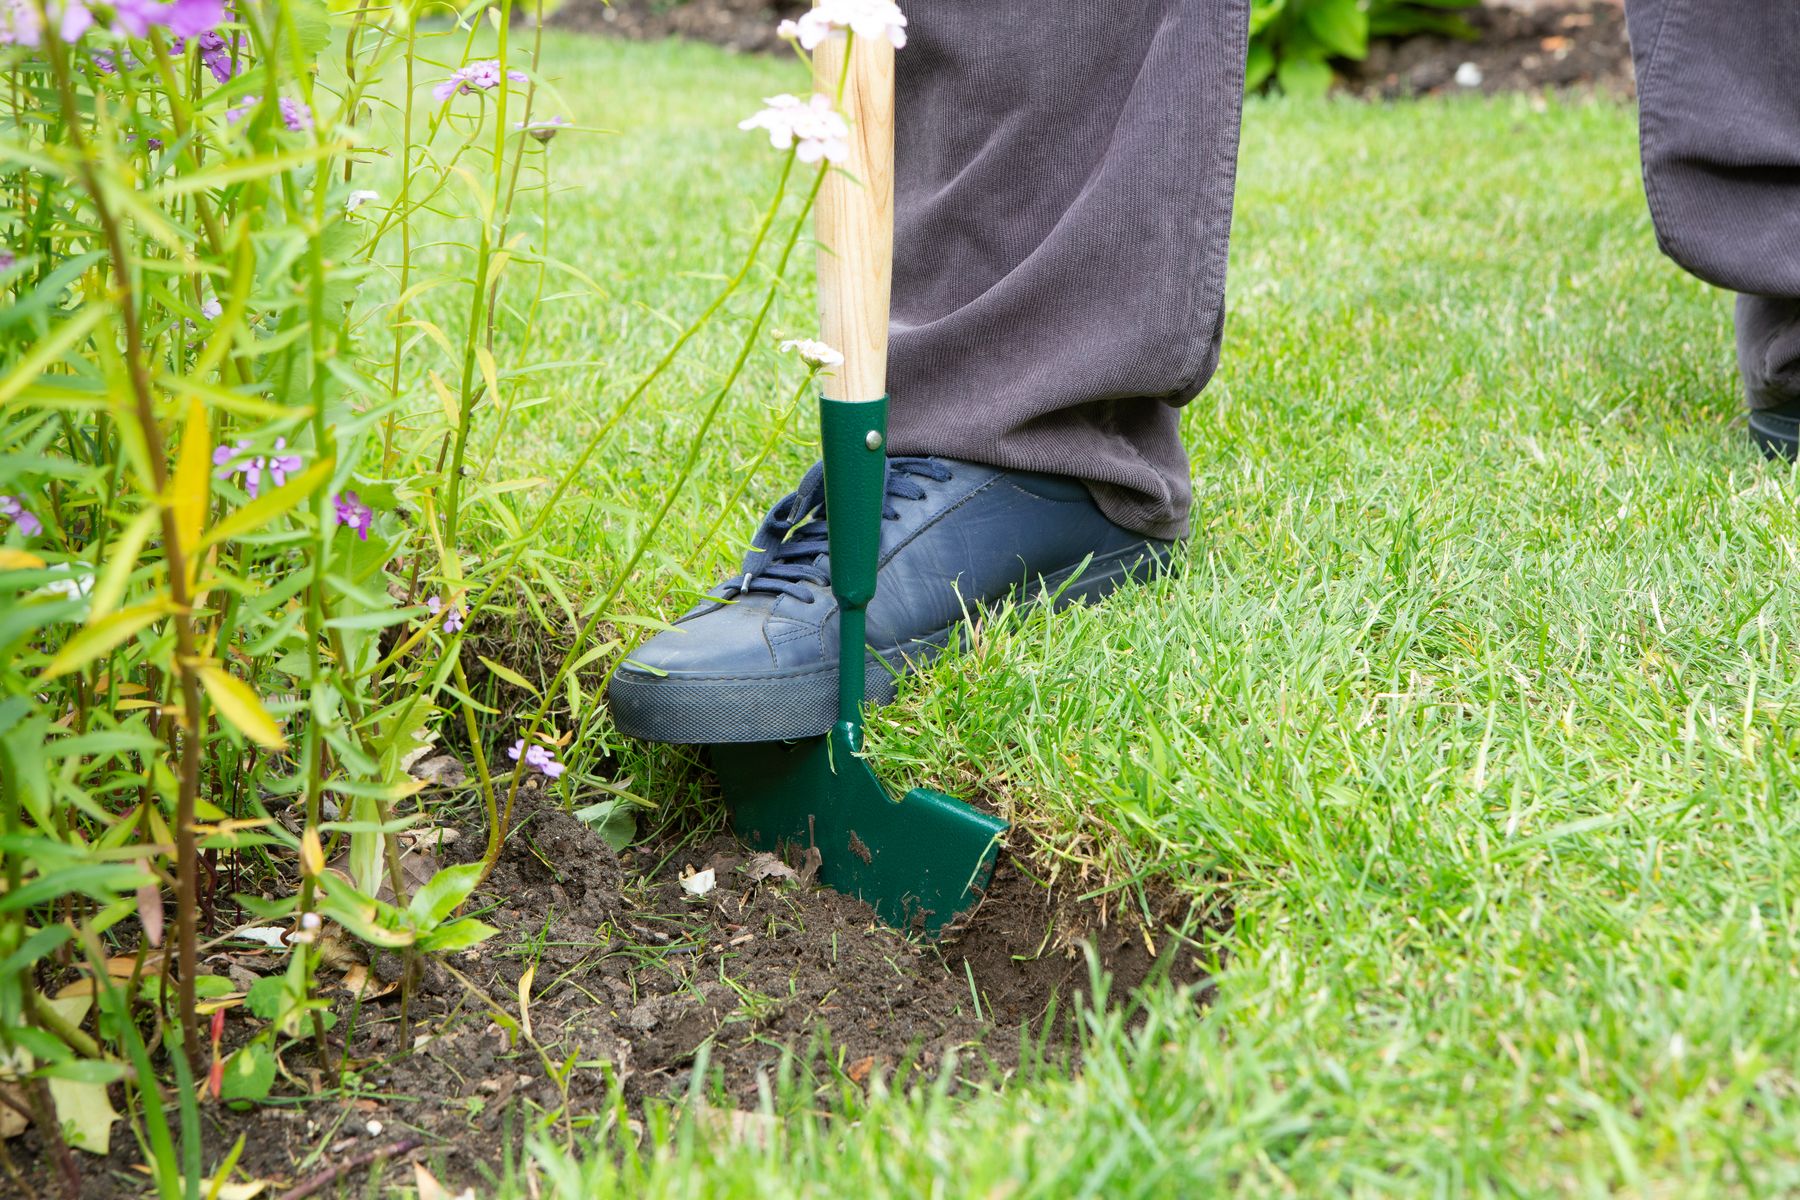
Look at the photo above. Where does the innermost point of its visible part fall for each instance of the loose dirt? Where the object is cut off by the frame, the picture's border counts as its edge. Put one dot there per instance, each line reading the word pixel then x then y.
pixel 634 985
pixel 1523 45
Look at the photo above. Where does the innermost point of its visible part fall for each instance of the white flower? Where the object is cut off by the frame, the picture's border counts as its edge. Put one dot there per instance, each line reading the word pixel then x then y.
pixel 817 127
pixel 864 18
pixel 358 198
pixel 1468 75
pixel 699 883
pixel 309 921
pixel 816 354
pixel 75 587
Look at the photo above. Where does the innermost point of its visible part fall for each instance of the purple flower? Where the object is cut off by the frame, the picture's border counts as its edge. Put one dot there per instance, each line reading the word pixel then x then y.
pixel 295 115
pixel 244 108
pixel 215 52
pixel 22 518
pixel 353 512
pixel 210 308
pixel 135 17
pixel 6 259
pixel 75 21
pixel 481 76
pixel 19 23
pixel 541 759
pixel 235 462
pixel 191 18
pixel 454 616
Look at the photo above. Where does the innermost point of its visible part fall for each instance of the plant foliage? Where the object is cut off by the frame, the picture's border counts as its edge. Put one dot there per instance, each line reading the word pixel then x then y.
pixel 1293 42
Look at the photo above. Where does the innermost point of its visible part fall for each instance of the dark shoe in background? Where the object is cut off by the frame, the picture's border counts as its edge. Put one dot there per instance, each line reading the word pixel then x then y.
pixel 1768 346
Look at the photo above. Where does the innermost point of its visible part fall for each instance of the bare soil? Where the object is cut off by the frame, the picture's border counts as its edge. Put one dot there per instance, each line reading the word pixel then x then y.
pixel 634 986
pixel 1524 45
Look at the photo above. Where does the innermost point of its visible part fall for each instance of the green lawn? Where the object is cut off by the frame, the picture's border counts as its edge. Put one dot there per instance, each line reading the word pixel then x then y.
pixel 1473 700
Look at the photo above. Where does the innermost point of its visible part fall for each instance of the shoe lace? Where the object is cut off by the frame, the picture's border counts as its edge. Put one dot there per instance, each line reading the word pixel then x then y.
pixel 789 555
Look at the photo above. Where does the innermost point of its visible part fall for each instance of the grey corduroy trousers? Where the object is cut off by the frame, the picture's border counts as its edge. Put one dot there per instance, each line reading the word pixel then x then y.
pixel 1719 122
pixel 1064 188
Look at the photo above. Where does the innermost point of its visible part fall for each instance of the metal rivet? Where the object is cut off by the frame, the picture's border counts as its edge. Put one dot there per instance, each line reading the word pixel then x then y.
pixel 873 441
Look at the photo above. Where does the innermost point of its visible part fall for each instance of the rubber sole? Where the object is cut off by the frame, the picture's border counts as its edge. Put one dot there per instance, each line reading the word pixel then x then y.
pixel 1776 434
pixel 736 710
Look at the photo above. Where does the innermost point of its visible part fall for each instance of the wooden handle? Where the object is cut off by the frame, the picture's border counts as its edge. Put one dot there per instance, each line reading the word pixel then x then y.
pixel 855 218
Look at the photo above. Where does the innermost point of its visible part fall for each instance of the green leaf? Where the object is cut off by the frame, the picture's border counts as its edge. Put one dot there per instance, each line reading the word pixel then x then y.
pixel 376 620
pixel 457 935
pixel 1341 27
pixel 445 892
pixel 266 997
pixel 85 1070
pixel 1303 76
pixel 249 1074
pixel 1260 66
pixel 101 636
pixel 614 820
pixel 361 916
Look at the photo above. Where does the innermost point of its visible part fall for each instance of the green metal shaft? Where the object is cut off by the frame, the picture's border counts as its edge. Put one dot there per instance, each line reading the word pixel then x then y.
pixel 853 437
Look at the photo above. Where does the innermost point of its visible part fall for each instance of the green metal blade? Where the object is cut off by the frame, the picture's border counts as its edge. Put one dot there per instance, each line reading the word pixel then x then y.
pixel 920 861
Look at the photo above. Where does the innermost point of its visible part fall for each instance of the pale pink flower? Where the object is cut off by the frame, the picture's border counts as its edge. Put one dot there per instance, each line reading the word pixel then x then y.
pixel 454 615
pixel 813 353
pixel 295 115
pixel 135 17
pixel 191 18
pixel 12 508
pixel 236 462
pixel 864 18
pixel 20 24
pixel 813 126
pixel 482 76
pixel 541 759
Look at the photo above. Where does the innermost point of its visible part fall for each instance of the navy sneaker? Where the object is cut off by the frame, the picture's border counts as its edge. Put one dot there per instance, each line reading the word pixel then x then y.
pixel 757 661
pixel 1776 432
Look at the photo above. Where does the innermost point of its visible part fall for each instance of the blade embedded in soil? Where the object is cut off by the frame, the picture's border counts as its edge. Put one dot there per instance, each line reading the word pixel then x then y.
pixel 921 861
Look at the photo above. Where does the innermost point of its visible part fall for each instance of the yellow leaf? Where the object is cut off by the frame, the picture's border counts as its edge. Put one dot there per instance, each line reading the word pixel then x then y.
pixel 312 855
pixel 511 676
pixel 85 1113
pixel 489 373
pixel 428 1187
pixel 452 413
pixel 99 637
pixel 18 560
pixel 193 482
pixel 240 707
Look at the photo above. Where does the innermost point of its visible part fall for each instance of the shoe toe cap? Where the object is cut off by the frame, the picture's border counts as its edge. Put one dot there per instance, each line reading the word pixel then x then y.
pixel 721 642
